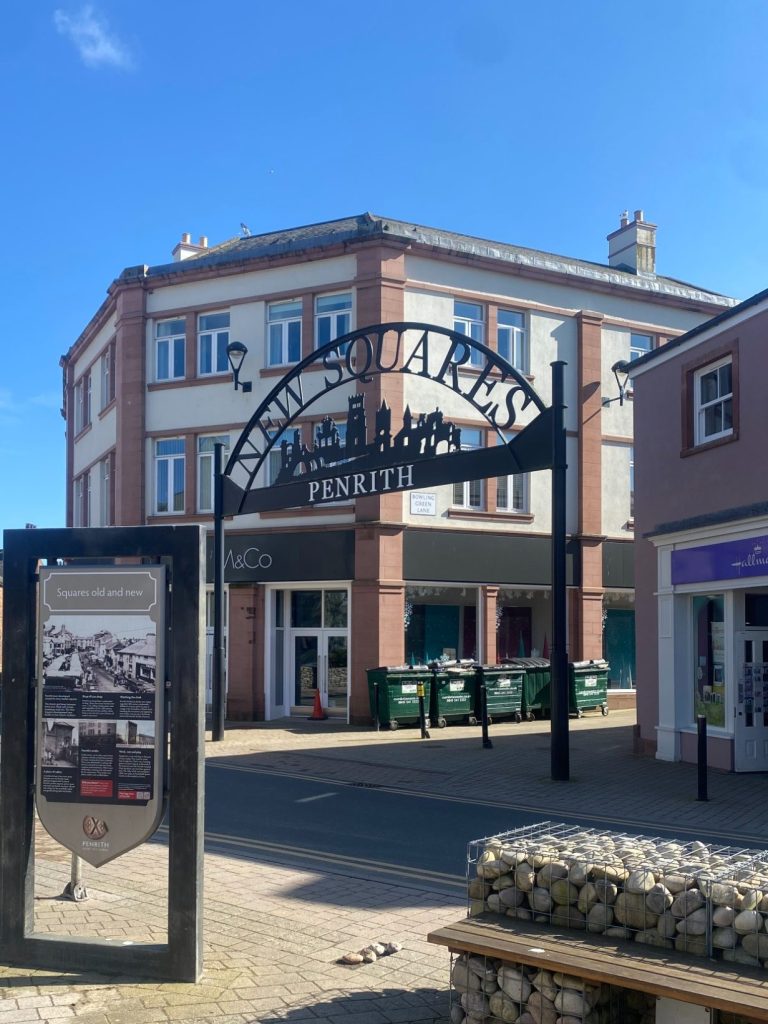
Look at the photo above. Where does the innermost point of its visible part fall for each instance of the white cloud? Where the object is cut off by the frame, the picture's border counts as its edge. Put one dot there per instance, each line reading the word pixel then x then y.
pixel 95 43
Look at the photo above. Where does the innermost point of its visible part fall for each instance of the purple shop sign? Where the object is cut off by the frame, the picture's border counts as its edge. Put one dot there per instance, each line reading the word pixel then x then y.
pixel 732 560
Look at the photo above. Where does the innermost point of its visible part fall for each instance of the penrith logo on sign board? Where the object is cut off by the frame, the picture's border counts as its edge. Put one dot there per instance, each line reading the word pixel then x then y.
pixel 364 451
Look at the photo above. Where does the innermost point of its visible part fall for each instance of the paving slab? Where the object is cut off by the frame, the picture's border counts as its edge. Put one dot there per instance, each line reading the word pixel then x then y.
pixel 273 932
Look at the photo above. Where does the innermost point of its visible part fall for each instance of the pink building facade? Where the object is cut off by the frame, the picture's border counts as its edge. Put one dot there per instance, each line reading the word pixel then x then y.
pixel 701 541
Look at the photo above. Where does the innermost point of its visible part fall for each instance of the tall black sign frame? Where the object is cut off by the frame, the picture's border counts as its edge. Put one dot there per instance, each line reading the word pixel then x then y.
pixel 181 549
pixel 409 459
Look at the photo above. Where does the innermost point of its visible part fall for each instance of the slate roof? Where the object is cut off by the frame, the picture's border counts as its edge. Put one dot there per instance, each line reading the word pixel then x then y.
pixel 716 321
pixel 367 226
pixel 145 647
pixel 727 515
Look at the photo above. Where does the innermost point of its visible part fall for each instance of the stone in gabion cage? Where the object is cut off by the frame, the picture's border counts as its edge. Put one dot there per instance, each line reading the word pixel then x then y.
pixel 694 897
pixel 486 990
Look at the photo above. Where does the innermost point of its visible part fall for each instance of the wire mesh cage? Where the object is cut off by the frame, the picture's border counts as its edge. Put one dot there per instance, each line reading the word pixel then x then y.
pixel 485 989
pixel 653 890
pixel 738 895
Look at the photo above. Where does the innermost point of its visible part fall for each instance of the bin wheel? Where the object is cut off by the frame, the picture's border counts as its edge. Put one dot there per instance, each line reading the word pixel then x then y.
pixel 579 713
pixel 529 716
pixel 518 717
pixel 393 725
pixel 472 720
pixel 490 720
pixel 441 723
pixel 604 709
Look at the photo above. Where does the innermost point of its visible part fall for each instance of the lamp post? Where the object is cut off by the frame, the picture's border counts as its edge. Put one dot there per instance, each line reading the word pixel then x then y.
pixel 236 353
pixel 621 373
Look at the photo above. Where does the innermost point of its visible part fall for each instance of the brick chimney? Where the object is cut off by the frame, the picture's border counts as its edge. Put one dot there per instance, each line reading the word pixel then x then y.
pixel 633 246
pixel 186 247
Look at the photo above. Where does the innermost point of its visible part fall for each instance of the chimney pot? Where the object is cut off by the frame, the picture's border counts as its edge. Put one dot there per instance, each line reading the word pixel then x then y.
pixel 186 238
pixel 203 243
pixel 632 246
pixel 624 219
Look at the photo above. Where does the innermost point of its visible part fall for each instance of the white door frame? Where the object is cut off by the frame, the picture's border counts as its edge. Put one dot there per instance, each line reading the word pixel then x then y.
pixel 288 652
pixel 750 706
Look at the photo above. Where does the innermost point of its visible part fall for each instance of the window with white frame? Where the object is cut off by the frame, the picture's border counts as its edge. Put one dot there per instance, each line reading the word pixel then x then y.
pixel 83 402
pixel 106 490
pixel 713 401
pixel 169 475
pixel 274 460
pixel 639 344
pixel 212 341
pixel 469 493
pixel 284 332
pixel 205 477
pixel 107 365
pixel 333 317
pixel 512 339
pixel 468 319
pixel 513 491
pixel 170 349
pixel 81 505
pixel 631 483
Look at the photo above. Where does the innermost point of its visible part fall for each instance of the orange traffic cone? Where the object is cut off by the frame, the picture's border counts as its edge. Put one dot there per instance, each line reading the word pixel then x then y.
pixel 318 711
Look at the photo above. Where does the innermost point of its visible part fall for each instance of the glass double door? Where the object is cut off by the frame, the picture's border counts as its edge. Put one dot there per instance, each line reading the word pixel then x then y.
pixel 751 718
pixel 320 664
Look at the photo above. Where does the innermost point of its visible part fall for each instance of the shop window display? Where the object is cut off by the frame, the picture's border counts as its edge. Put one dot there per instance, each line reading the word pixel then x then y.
pixel 709 658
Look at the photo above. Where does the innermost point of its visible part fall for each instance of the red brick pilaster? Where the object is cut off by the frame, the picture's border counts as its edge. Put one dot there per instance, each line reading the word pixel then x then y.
pixel 380 298
pixel 488 653
pixel 130 392
pixel 190 346
pixel 587 640
pixel 378 605
pixel 245 685
pixel 69 419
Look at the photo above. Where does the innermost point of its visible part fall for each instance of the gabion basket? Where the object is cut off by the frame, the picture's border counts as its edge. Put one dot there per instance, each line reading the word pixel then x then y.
pixel 652 890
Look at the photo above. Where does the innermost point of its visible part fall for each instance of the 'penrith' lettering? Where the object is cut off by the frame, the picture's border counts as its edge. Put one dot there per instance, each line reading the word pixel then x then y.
pixel 354 485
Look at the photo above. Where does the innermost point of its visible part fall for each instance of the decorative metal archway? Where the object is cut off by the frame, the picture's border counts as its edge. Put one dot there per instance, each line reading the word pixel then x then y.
pixel 425 451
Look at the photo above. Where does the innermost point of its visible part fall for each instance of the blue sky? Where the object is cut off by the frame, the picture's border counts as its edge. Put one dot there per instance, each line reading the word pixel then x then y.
pixel 126 124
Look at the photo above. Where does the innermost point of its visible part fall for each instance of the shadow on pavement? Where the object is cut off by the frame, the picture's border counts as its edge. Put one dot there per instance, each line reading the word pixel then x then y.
pixel 389 1006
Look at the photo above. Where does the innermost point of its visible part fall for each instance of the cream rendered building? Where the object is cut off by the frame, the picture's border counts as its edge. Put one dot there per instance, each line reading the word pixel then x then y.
pixel 317 596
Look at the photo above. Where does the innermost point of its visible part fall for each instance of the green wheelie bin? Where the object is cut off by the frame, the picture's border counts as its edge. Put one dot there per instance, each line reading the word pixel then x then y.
pixel 503 691
pixel 536 696
pixel 588 686
pixel 394 694
pixel 454 689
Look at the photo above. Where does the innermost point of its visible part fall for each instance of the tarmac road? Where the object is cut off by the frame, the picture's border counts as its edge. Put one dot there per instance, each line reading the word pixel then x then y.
pixel 361 830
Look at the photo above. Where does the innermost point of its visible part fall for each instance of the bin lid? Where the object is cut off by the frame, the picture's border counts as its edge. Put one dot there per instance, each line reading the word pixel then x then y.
pixel 596 663
pixel 402 669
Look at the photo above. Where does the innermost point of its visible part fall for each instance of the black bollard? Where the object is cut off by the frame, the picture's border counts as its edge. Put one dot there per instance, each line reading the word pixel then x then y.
pixel 422 713
pixel 701 725
pixel 487 745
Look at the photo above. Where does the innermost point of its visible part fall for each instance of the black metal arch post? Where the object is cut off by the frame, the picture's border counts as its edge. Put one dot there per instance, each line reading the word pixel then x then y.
pixel 218 702
pixel 559 746
pixel 355 358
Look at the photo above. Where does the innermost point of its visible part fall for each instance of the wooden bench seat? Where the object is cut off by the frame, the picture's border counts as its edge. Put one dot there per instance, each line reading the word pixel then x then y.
pixel 731 988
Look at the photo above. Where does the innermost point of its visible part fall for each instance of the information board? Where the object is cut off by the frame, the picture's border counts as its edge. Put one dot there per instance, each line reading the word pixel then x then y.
pixel 100 700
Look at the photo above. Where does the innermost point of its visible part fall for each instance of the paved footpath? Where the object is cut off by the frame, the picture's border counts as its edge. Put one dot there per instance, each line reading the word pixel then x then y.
pixel 273 932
